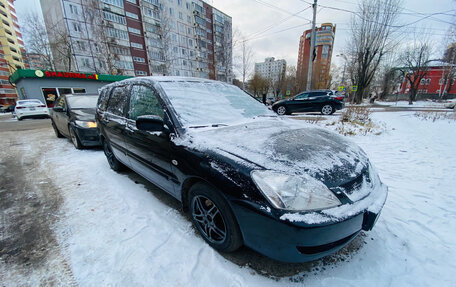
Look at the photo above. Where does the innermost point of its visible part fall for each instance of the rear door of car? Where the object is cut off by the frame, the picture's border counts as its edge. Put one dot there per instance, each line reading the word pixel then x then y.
pixel 61 118
pixel 318 99
pixel 113 122
pixel 149 152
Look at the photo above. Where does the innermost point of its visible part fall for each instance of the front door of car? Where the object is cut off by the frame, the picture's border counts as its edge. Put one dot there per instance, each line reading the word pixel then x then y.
pixel 61 118
pixel 301 103
pixel 114 122
pixel 149 152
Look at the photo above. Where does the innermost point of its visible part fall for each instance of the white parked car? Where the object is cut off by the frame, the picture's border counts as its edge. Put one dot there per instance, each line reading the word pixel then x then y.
pixel 30 109
pixel 450 104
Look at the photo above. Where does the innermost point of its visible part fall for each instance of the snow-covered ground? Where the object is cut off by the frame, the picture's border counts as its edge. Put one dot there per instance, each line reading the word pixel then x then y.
pixel 116 233
pixel 417 104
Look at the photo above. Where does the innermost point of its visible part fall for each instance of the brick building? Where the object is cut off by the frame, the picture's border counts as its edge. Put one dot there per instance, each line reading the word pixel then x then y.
pixel 322 62
pixel 439 80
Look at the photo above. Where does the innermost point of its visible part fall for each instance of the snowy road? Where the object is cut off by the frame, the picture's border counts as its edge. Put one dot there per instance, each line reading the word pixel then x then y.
pixel 117 230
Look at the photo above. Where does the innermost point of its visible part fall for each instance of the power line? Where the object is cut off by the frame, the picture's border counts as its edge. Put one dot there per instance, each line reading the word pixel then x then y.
pixel 280 9
pixel 392 26
pixel 274 25
pixel 283 30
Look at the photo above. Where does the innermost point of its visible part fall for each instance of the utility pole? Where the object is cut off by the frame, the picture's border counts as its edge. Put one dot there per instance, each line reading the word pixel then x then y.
pixel 312 46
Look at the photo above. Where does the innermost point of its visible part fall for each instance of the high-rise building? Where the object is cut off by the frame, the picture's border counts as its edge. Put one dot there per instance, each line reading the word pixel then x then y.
pixel 11 51
pixel 321 57
pixel 271 69
pixel 140 37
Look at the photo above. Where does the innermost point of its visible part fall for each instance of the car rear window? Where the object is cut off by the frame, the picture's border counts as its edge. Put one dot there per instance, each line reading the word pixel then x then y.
pixel 29 102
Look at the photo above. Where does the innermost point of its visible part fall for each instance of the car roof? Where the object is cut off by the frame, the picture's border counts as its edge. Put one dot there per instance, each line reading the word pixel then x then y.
pixel 81 95
pixel 160 79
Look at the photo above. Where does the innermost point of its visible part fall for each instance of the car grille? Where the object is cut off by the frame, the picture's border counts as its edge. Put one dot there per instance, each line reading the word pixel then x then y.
pixel 352 189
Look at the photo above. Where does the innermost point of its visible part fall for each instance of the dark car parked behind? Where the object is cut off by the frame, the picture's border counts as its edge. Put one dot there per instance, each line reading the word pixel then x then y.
pixel 324 101
pixel 73 116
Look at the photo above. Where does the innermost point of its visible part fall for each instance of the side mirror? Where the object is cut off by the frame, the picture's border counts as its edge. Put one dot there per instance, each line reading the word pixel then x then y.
pixel 150 123
pixel 58 109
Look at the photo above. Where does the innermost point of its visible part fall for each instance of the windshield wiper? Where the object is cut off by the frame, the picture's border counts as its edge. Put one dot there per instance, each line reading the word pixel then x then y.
pixel 206 126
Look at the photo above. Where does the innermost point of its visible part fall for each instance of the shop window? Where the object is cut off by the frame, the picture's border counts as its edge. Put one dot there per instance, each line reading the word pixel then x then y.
pixel 79 90
pixel 50 95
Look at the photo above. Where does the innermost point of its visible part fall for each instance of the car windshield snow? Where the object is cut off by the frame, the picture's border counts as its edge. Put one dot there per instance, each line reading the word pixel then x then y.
pixel 211 103
pixel 82 102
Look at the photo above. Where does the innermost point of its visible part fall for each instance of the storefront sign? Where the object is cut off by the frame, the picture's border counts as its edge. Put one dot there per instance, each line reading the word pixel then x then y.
pixel 67 75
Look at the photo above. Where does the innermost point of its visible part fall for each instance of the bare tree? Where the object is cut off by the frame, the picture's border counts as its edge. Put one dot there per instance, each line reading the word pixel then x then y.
pixel 104 51
pixel 166 40
pixel 449 57
pixel 224 53
pixel 61 47
pixel 258 85
pixel 290 82
pixel 245 61
pixel 414 61
pixel 36 39
pixel 371 38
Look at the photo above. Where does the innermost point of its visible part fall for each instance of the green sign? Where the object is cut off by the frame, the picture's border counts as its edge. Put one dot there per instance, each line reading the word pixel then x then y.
pixel 354 88
pixel 341 88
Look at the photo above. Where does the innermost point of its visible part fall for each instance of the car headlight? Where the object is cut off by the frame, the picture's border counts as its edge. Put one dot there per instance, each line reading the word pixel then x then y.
pixel 294 192
pixel 85 124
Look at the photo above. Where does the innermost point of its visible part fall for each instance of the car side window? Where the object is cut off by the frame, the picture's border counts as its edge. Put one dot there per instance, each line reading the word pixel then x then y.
pixel 301 96
pixel 144 101
pixel 103 100
pixel 61 103
pixel 117 101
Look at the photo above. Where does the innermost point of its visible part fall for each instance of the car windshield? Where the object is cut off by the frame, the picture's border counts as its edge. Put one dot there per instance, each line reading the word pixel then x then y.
pixel 82 102
pixel 211 103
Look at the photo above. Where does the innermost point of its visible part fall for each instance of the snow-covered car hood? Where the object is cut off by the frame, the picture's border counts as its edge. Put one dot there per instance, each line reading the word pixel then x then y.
pixel 284 145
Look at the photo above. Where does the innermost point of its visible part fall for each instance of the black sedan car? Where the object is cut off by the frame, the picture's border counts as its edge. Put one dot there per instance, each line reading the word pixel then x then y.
pixel 324 101
pixel 73 116
pixel 285 188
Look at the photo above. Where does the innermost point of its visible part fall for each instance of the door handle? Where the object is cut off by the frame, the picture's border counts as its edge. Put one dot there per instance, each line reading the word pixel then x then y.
pixel 129 129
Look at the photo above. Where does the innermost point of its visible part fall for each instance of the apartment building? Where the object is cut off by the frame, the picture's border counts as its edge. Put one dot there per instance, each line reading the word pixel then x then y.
pixel 321 56
pixel 11 51
pixel 271 69
pixel 142 37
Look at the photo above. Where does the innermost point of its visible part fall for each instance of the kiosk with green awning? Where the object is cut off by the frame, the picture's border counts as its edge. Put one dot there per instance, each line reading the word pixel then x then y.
pixel 47 86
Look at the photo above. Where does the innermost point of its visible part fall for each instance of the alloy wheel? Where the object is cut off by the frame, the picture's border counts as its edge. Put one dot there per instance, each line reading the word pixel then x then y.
pixel 208 219
pixel 74 139
pixel 281 110
pixel 327 109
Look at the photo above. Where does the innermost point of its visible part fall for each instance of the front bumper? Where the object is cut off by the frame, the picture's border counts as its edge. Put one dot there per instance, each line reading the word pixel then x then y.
pixel 296 242
pixel 88 136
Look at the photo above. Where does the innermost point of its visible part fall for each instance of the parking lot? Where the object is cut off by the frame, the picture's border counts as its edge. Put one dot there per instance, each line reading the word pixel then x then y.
pixel 67 219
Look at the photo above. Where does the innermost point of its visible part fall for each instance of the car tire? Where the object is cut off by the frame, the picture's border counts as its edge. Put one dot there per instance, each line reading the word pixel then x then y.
pixel 114 163
pixel 282 110
pixel 213 218
pixel 56 131
pixel 19 119
pixel 327 110
pixel 74 138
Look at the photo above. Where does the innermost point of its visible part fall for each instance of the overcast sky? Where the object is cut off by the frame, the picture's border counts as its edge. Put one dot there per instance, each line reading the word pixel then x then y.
pixel 281 30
